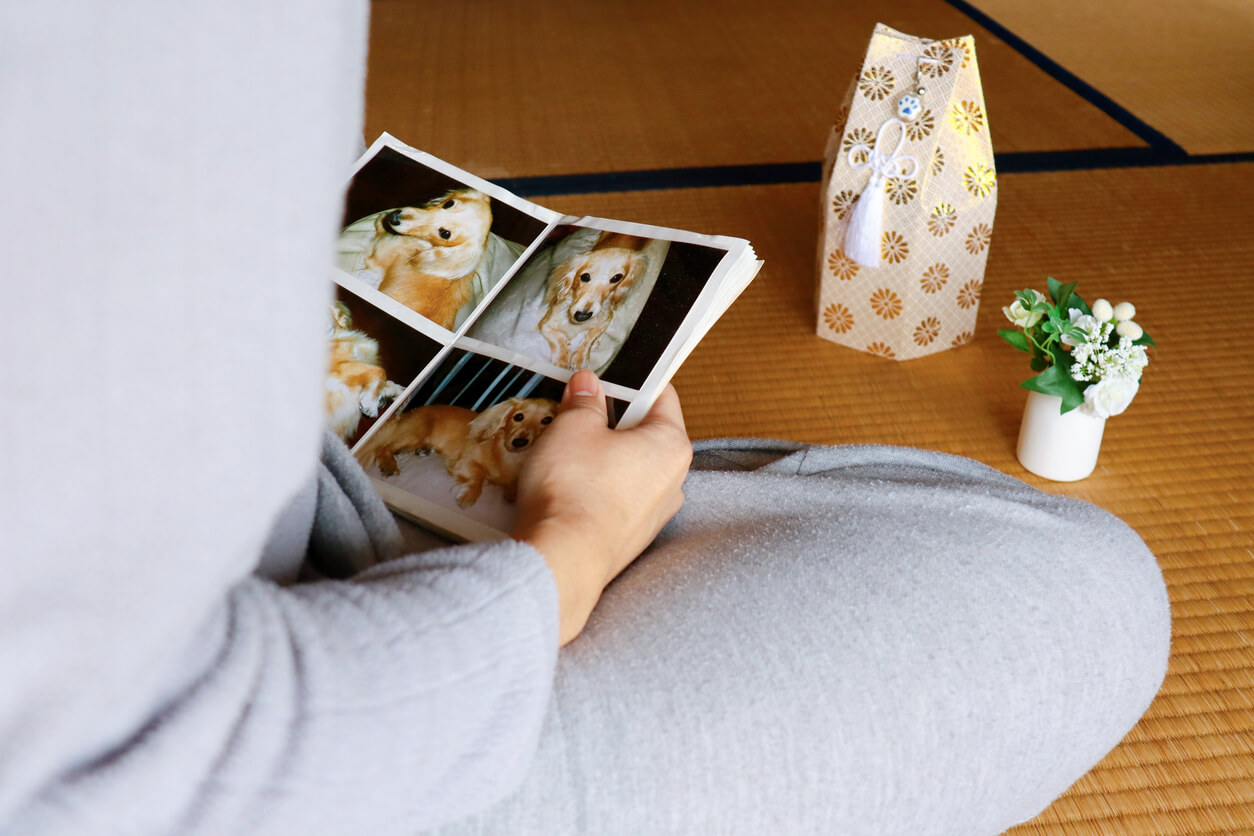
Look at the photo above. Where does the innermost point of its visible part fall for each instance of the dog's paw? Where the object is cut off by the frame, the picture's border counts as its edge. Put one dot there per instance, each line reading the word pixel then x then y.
pixel 469 496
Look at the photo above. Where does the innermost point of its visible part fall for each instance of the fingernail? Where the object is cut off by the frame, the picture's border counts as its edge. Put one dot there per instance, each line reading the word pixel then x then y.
pixel 583 383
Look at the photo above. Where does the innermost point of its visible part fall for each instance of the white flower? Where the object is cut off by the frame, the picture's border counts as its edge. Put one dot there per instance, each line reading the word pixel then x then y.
pixel 1129 329
pixel 1094 361
pixel 1090 327
pixel 1110 396
pixel 1125 311
pixel 1023 317
pixel 1103 310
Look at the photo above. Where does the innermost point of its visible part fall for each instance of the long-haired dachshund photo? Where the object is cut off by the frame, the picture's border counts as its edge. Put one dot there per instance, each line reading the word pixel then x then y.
pixel 428 254
pixel 356 384
pixel 584 292
pixel 489 446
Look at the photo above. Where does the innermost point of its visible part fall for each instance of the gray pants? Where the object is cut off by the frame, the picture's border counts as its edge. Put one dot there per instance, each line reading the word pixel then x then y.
pixel 850 640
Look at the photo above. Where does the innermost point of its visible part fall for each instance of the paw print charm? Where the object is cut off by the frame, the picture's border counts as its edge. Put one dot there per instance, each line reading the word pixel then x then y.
pixel 908 107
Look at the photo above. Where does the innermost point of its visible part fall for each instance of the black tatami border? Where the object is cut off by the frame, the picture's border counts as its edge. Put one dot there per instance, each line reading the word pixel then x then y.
pixel 774 174
pixel 1158 151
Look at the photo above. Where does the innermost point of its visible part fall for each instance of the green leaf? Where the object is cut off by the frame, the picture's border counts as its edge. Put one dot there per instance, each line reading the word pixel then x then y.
pixel 1056 381
pixel 1060 292
pixel 1077 302
pixel 1016 338
pixel 1145 339
pixel 1039 364
pixel 1062 297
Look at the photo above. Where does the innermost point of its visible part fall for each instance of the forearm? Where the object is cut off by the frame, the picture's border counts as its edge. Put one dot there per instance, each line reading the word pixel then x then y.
pixel 579 579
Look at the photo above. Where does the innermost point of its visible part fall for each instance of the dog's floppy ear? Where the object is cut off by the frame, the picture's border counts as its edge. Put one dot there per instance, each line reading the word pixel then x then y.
pixel 491 421
pixel 562 283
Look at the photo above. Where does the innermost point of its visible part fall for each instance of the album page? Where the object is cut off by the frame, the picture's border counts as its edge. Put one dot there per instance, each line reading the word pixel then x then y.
pixel 461 310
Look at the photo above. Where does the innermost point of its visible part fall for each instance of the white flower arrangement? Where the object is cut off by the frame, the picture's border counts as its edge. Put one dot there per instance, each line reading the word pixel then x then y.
pixel 1090 357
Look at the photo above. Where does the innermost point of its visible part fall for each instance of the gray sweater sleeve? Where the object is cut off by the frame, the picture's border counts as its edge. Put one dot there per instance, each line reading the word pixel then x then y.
pixel 174 175
pixel 400 699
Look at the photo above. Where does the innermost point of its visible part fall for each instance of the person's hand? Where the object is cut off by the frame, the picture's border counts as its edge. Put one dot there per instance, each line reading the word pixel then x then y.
pixel 591 499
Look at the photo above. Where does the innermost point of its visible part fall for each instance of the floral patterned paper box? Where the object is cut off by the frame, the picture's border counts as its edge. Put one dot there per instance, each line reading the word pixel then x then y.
pixel 909 193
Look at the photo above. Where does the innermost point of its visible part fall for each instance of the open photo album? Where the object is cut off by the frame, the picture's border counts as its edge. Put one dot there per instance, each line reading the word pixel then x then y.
pixel 461 310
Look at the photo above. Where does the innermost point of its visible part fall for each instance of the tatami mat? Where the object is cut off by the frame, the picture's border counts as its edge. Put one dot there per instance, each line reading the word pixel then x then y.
pixel 567 86
pixel 1185 68
pixel 1178 465
pixel 563 86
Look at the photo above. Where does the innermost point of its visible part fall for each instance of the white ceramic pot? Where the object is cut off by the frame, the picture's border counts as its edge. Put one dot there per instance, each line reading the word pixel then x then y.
pixel 1060 447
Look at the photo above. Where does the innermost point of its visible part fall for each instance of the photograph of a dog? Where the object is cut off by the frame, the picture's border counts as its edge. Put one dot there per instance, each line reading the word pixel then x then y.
pixel 585 292
pixel 371 358
pixel 463 435
pixel 436 245
pixel 576 299
pixel 604 300
pixel 356 384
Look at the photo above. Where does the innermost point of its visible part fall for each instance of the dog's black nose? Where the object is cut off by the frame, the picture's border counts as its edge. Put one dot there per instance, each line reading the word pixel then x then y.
pixel 519 443
pixel 392 220
pixel 583 316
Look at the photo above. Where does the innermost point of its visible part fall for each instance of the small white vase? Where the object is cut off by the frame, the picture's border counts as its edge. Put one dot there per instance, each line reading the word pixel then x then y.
pixel 1060 447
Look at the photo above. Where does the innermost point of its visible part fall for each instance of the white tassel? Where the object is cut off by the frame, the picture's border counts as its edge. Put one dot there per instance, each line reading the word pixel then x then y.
pixel 866 220
pixel 866 224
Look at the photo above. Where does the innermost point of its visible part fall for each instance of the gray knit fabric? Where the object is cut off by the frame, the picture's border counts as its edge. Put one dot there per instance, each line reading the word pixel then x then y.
pixel 850 640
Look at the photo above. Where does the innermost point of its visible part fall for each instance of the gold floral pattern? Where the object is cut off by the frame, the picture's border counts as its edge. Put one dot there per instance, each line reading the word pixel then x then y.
pixel 979 179
pixel 842 116
pixel 893 248
pixel 900 190
pixel 876 83
pixel 979 238
pixel 921 127
pixel 885 303
pixel 962 339
pixel 842 266
pixel 969 294
pixel 934 278
pixel 942 59
pixel 938 161
pixel 926 331
pixel 960 45
pixel 967 118
pixel 941 219
pixel 858 136
pixel 842 202
pixel 838 317
pixel 882 350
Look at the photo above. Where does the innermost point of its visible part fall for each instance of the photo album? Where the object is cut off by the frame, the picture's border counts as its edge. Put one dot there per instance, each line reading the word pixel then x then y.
pixel 461 310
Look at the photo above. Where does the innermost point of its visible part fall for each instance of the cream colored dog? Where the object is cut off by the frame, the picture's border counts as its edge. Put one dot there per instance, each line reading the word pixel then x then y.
pixel 489 446
pixel 356 384
pixel 583 293
pixel 428 254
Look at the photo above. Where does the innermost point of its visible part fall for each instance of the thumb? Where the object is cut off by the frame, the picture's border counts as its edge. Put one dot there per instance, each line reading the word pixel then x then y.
pixel 584 391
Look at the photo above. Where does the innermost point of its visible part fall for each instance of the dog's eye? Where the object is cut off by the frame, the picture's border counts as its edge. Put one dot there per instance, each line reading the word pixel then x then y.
pixel 618 277
pixel 548 419
pixel 448 204
pixel 518 416
pixel 585 277
pixel 445 234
